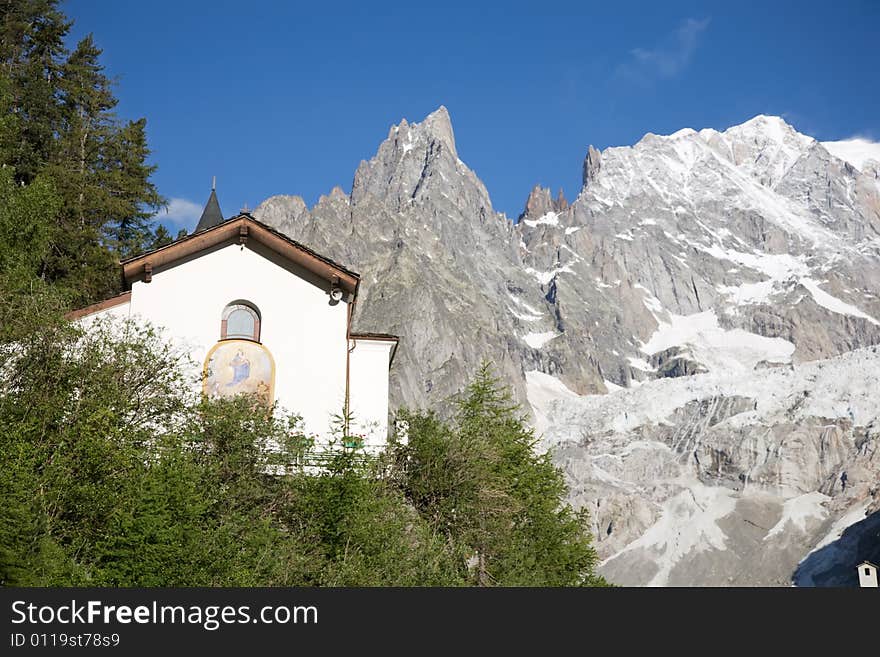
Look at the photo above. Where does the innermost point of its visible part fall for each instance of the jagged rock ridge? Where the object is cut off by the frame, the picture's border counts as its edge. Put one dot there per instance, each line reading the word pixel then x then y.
pixel 706 255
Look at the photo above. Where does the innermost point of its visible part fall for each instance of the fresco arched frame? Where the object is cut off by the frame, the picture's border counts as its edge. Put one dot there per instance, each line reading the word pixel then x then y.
pixel 246 376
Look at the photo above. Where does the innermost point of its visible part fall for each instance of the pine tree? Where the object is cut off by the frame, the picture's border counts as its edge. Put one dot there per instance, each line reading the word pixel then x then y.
pixel 32 48
pixel 88 124
pixel 480 482
pixel 59 123
pixel 134 198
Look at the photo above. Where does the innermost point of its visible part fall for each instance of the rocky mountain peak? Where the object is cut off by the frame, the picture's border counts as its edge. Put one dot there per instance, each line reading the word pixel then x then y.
pixel 281 209
pixel 773 127
pixel 694 280
pixel 394 129
pixel 439 126
pixel 592 164
pixel 337 194
pixel 418 163
pixel 540 203
pixel 561 203
pixel 766 147
pixel 436 128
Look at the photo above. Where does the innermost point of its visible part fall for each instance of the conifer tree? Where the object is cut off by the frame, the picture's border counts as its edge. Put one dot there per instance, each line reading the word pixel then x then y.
pixel 32 49
pixel 58 122
pixel 481 482
pixel 135 198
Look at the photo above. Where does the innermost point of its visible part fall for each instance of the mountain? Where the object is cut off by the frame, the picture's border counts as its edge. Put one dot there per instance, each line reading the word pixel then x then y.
pixel 673 330
pixel 440 267
pixel 726 480
pixel 855 151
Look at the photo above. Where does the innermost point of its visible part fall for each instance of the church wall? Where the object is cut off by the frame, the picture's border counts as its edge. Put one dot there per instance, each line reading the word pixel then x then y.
pixel 368 392
pixel 305 334
pixel 114 313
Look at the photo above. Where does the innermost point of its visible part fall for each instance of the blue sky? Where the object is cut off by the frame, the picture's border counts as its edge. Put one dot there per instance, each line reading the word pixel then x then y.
pixel 288 97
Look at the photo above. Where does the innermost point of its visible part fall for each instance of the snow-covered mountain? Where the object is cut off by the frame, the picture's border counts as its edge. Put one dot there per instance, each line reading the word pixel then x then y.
pixel 856 151
pixel 694 334
pixel 724 479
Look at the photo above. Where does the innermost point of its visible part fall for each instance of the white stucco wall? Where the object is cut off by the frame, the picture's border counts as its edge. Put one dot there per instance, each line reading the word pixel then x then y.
pixel 303 332
pixel 868 576
pixel 118 312
pixel 368 389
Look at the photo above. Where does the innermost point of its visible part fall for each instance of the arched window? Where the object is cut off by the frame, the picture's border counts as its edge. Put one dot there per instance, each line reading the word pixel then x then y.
pixel 240 320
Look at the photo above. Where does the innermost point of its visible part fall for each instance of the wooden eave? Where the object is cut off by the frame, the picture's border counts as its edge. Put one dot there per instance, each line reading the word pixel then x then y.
pixel 241 229
pixel 118 300
pixel 386 337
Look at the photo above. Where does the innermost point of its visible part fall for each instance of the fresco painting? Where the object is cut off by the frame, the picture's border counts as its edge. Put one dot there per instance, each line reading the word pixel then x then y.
pixel 235 367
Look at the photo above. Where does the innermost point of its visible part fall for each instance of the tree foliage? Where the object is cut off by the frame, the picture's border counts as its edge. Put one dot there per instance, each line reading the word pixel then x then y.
pixel 480 482
pixel 113 472
pixel 58 126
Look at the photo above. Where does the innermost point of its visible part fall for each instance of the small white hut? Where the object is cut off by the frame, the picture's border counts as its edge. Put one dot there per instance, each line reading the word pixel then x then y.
pixel 867 575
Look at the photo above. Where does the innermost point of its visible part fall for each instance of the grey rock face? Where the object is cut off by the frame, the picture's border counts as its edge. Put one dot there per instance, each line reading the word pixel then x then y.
pixel 701 255
pixel 834 563
pixel 592 164
pixel 758 225
pixel 540 203
pixel 728 480
pixel 440 267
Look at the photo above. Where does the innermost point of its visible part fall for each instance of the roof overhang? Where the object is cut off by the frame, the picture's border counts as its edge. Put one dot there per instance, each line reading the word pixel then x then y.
pixel 379 337
pixel 240 230
pixel 112 302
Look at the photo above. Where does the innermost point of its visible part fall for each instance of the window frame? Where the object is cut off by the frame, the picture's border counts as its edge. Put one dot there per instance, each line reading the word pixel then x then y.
pixel 234 306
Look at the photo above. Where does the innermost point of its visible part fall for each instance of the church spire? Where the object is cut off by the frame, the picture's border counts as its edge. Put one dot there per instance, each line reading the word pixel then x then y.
pixel 211 215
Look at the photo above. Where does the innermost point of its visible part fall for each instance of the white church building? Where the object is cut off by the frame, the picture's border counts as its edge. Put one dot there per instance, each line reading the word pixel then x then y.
pixel 262 313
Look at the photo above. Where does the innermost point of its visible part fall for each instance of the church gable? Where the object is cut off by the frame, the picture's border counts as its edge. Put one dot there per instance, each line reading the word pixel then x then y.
pixel 260 313
pixel 251 292
pixel 246 231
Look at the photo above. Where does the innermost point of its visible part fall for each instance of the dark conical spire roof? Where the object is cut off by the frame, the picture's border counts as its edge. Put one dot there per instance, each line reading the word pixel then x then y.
pixel 211 215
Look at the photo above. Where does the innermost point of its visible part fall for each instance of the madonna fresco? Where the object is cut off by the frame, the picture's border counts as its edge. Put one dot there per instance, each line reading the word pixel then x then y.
pixel 235 367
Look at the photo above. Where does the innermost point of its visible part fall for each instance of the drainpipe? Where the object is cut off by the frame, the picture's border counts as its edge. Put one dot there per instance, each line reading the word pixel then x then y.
pixel 348 349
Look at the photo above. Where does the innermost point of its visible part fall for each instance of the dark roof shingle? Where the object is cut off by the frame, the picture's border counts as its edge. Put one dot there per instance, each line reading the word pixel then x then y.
pixel 211 215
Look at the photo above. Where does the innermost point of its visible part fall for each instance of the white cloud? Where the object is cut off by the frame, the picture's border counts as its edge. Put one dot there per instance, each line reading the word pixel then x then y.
pixel 668 58
pixel 179 213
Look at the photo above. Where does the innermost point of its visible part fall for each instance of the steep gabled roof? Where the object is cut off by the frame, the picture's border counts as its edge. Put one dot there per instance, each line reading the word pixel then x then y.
pixel 240 229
